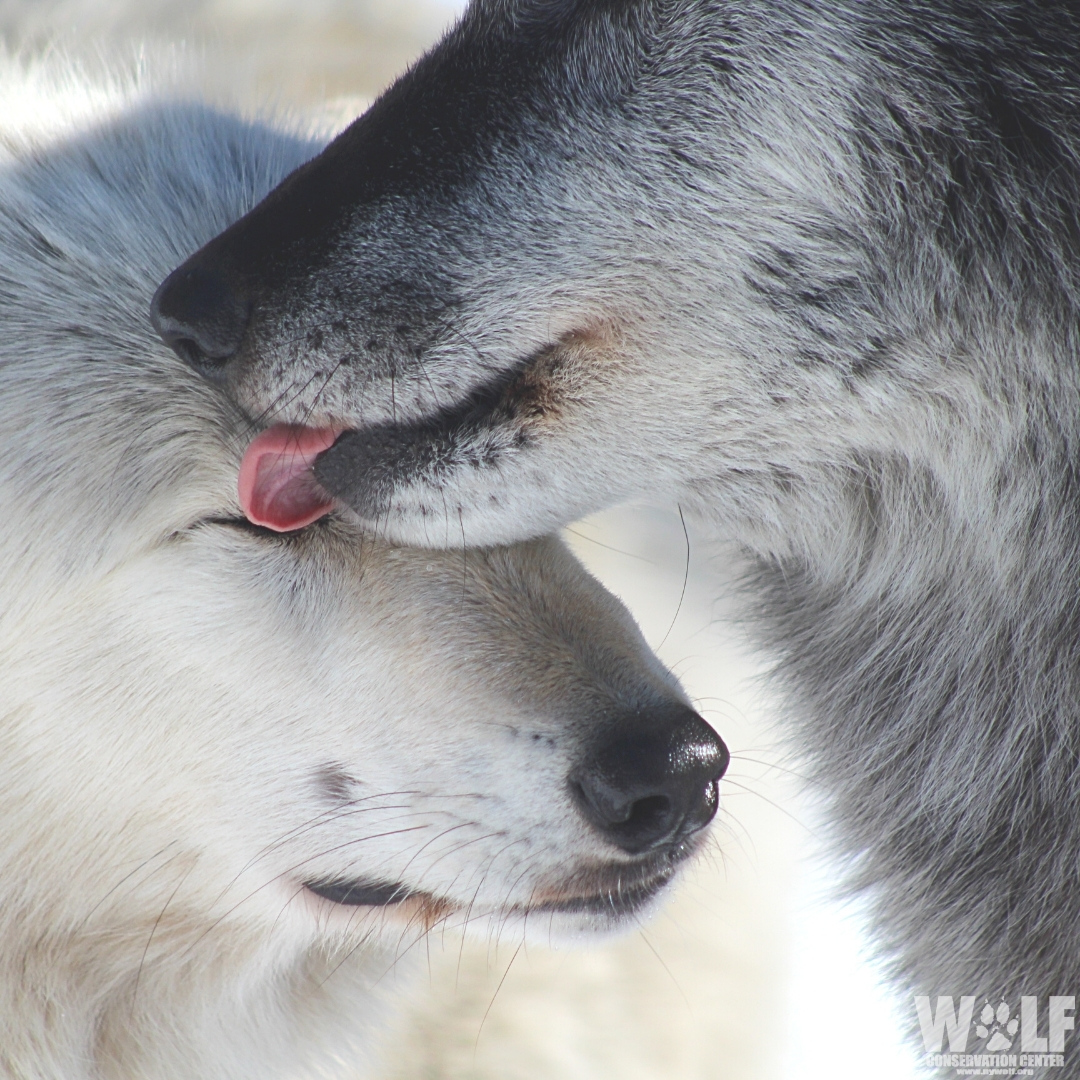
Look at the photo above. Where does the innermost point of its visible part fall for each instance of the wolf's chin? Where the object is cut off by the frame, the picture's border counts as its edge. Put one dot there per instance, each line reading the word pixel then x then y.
pixel 614 903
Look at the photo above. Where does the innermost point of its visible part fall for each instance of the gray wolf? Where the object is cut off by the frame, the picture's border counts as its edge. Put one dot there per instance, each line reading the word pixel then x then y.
pixel 243 772
pixel 810 269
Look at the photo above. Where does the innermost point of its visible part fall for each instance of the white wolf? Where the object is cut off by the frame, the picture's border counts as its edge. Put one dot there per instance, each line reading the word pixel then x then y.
pixel 810 268
pixel 240 772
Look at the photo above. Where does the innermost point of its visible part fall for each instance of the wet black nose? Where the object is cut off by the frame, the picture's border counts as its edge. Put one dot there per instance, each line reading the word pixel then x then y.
pixel 652 779
pixel 200 316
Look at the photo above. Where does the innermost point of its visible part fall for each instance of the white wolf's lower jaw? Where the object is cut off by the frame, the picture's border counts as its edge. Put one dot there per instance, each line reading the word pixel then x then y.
pixel 606 895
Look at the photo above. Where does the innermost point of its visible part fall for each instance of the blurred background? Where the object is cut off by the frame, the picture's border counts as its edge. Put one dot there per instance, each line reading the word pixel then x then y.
pixel 751 972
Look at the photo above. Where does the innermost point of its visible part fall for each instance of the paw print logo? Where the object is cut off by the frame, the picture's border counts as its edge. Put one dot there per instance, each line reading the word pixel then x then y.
pixel 997 1026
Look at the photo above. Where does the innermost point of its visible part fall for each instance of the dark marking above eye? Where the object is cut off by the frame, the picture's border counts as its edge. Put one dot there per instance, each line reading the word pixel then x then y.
pixel 334 782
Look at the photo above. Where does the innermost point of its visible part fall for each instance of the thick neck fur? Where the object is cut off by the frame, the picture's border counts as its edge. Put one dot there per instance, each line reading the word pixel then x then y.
pixel 930 658
pixel 927 623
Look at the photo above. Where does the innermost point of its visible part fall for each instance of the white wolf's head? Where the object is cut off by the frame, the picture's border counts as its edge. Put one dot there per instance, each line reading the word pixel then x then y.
pixel 232 758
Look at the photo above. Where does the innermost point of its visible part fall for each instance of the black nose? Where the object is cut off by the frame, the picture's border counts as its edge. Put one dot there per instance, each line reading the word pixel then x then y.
pixel 200 317
pixel 652 779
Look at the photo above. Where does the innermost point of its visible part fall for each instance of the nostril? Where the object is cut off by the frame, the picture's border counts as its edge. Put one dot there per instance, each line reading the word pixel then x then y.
pixel 188 351
pixel 200 316
pixel 650 814
pixel 613 812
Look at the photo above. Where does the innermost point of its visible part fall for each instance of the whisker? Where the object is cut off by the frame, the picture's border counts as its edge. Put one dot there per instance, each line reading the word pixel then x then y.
pixel 483 1019
pixel 309 825
pixel 686 578
pixel 663 964
pixel 127 877
pixel 772 802
pixel 277 877
pixel 153 931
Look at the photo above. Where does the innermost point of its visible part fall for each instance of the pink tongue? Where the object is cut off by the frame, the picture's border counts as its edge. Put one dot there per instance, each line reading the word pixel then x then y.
pixel 276 485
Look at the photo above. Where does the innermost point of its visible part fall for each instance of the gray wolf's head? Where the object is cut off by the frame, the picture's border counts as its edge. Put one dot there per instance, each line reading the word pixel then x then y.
pixel 233 756
pixel 730 253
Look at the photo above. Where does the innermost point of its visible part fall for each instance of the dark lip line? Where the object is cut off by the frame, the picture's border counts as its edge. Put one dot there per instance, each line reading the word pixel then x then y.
pixel 358 893
pixel 242 524
pixel 589 891
pixel 621 900
pixel 385 453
